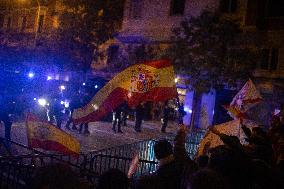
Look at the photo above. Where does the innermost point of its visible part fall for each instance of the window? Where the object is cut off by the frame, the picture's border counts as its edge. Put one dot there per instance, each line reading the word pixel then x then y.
pixel 24 23
pixel 9 23
pixel 177 7
pixel 1 20
pixel 40 23
pixel 275 8
pixel 228 6
pixel 274 59
pixel 135 10
pixel 251 12
pixel 269 59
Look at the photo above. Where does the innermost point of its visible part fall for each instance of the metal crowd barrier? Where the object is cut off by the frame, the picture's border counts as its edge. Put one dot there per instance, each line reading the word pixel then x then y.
pixel 100 163
pixel 145 148
pixel 16 171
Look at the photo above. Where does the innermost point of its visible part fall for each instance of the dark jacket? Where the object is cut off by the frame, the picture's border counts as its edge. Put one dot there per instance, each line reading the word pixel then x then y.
pixel 139 112
pixel 170 175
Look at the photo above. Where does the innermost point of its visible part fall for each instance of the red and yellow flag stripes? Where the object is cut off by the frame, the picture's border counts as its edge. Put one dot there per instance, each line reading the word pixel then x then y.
pixel 150 81
pixel 42 134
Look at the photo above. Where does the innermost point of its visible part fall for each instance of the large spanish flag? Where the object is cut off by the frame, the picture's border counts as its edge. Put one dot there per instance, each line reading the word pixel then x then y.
pixel 149 81
pixel 44 135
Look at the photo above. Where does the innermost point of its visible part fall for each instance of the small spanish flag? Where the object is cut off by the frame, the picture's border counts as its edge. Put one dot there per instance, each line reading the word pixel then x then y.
pixel 46 136
pixel 148 81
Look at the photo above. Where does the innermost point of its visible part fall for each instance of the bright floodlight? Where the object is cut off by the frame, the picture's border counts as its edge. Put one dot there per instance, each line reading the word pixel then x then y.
pixel 49 78
pixel 66 104
pixel 42 102
pixel 31 75
pixel 84 84
pixel 62 87
pixel 62 102
pixel 96 86
pixel 176 80
pixel 187 109
pixel 34 98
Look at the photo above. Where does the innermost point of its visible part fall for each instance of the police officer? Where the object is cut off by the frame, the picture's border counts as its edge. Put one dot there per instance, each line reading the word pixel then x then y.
pixel 4 117
pixel 74 104
pixel 117 120
pixel 56 114
pixel 165 118
pixel 139 114
pixel 124 114
pixel 84 101
pixel 181 113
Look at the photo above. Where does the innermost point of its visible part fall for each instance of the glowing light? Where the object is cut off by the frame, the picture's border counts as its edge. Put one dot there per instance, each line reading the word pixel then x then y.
pixel 187 109
pixel 95 106
pixel 84 84
pixel 62 87
pixel 66 104
pixel 31 75
pixel 176 80
pixel 49 78
pixel 62 102
pixel 42 102
pixel 34 98
pixel 96 86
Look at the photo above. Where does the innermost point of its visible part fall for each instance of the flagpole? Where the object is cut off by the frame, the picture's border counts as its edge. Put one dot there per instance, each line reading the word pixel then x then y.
pixel 191 121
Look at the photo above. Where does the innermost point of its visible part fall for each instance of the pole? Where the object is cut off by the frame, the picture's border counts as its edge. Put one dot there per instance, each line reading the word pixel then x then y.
pixel 37 24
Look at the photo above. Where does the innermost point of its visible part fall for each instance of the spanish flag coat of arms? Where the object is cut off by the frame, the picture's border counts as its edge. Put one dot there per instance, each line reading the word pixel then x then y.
pixel 149 81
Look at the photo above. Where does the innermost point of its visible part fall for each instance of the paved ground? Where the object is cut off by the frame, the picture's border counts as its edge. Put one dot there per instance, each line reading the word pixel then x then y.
pixel 101 135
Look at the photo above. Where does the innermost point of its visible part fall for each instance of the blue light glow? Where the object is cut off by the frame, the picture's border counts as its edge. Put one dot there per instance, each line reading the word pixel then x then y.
pixel 42 102
pixel 187 109
pixel 96 86
pixel 31 75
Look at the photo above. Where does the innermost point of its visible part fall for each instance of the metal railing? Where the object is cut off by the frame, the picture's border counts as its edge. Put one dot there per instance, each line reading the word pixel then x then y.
pixel 17 170
pixel 145 148
pixel 101 163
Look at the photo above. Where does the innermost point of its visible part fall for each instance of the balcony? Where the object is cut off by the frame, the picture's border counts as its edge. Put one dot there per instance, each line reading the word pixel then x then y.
pixel 269 74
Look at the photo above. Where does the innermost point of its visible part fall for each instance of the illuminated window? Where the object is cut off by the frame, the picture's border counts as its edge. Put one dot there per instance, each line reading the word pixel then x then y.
pixel 177 7
pixel 9 23
pixel 40 23
pixel 24 23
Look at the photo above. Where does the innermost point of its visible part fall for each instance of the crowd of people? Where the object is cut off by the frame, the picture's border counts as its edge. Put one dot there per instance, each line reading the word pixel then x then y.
pixel 258 164
pixel 121 113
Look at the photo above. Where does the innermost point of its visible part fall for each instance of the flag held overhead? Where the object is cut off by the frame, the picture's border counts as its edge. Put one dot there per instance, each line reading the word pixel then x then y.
pixel 46 136
pixel 149 81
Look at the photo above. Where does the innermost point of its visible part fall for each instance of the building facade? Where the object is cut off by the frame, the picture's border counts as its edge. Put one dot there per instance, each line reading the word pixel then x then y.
pixel 148 24
pixel 26 23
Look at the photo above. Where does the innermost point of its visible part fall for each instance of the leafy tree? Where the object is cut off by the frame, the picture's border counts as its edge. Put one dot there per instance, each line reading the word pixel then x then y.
pixel 212 51
pixel 85 24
